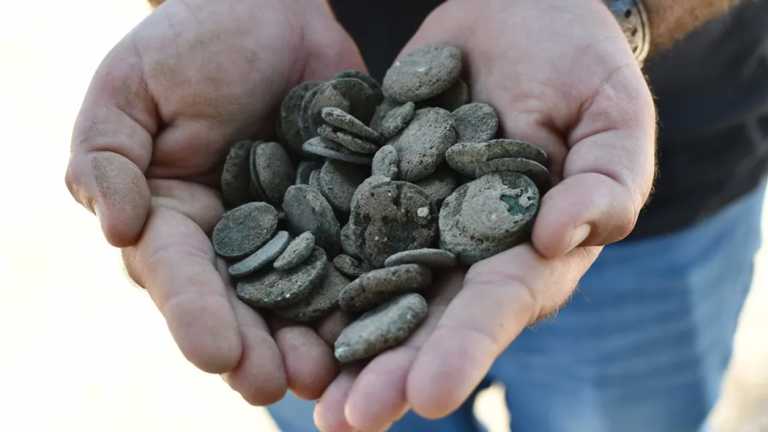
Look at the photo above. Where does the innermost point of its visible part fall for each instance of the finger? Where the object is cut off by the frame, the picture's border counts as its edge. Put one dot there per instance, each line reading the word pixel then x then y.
pixel 378 396
pixel 331 326
pixel 174 261
pixel 199 203
pixel 501 295
pixel 260 376
pixel 608 171
pixel 112 147
pixel 309 362
pixel 332 403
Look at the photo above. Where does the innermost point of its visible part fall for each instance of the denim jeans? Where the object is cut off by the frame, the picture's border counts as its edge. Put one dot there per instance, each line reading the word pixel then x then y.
pixel 641 346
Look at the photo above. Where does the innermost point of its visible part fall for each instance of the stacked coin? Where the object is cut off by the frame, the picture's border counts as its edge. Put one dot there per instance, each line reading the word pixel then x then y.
pixel 390 182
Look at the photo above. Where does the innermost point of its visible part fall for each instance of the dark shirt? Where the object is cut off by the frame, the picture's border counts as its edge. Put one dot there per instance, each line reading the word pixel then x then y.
pixel 712 96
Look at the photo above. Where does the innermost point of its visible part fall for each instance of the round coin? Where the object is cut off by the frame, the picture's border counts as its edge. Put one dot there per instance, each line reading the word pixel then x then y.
pixel 320 302
pixel 350 142
pixel 290 110
pixel 338 182
pixel 307 210
pixel 326 148
pixel 488 215
pixel 428 257
pixel 235 177
pixel 439 185
pixel 390 217
pixel 274 169
pixel 244 229
pixel 476 122
pixel 423 73
pixel 423 143
pixel 263 256
pixel 378 286
pixel 465 157
pixel 381 328
pixel 386 162
pixel 297 251
pixel 275 288
pixel 397 119
pixel 350 266
pixel 346 122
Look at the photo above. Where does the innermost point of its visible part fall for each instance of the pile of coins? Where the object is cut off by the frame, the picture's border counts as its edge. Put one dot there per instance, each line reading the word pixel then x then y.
pixel 379 184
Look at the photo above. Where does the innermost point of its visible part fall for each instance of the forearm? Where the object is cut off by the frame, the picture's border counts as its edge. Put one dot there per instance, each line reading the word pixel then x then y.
pixel 670 20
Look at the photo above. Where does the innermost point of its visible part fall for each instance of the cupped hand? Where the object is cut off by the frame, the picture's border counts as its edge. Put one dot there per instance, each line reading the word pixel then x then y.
pixel 161 111
pixel 561 75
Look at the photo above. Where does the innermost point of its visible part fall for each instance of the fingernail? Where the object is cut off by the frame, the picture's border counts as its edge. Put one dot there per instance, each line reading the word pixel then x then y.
pixel 580 233
pixel 225 377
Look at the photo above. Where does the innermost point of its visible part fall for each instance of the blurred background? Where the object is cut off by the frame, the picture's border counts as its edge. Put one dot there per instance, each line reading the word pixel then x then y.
pixel 83 348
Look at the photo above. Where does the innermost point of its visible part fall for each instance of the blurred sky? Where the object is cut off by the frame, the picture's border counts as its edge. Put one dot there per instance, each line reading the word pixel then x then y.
pixel 83 349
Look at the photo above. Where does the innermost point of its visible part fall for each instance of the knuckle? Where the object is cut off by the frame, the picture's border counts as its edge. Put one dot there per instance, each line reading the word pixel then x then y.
pixel 74 178
pixel 626 219
pixel 480 276
pixel 264 394
pixel 129 265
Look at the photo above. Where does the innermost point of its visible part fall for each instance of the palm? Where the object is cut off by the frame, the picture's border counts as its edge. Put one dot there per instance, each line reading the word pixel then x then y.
pixel 582 97
pixel 161 111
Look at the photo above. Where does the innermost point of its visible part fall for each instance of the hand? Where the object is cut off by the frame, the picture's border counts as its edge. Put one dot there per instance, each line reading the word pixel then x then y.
pixel 156 123
pixel 562 76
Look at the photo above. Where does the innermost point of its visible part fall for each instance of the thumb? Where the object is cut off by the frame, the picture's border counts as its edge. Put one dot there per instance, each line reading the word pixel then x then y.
pixel 112 147
pixel 608 170
pixel 331 48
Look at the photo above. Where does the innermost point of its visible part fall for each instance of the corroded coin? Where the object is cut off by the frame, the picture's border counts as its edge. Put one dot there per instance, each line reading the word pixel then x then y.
pixel 262 257
pixel 423 143
pixel 423 73
pixel 290 110
pixel 305 126
pixel 296 252
pixel 307 210
pixel 314 179
pixel 383 327
pixel 465 157
pixel 428 257
pixel 391 216
pixel 235 177
pixel 274 169
pixel 244 229
pixel 397 119
pixel 304 169
pixel 326 148
pixel 255 183
pixel 378 286
pixel 488 215
pixel 386 162
pixel 345 121
pixel 362 76
pixel 439 185
pixel 350 266
pixel 381 112
pixel 476 122
pixel 350 233
pixel 534 170
pixel 350 95
pixel 348 141
pixel 320 302
pixel 275 288
pixel 338 182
